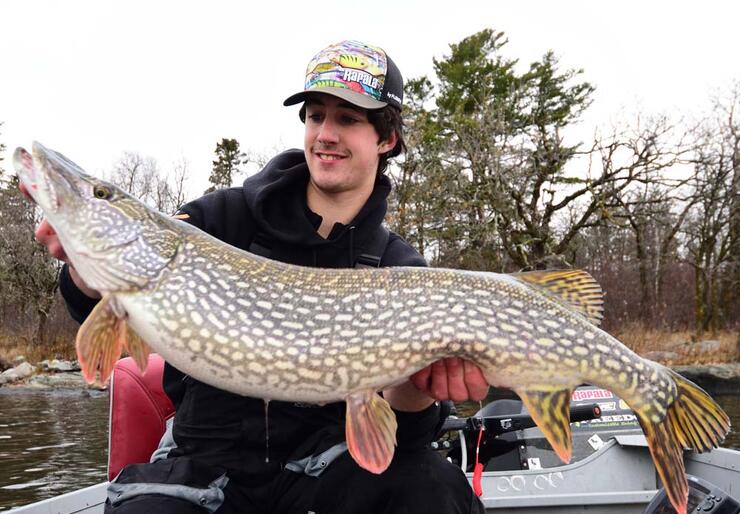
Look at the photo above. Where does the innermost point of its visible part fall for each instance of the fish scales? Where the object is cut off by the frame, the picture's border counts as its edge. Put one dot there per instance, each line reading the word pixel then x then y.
pixel 276 331
pixel 322 309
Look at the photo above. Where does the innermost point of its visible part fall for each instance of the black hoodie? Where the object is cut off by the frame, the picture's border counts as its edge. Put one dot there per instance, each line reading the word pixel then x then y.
pixel 228 430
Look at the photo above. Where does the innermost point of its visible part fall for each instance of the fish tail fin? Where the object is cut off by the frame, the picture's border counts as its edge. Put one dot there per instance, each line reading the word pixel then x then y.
pixel 693 420
pixel 699 422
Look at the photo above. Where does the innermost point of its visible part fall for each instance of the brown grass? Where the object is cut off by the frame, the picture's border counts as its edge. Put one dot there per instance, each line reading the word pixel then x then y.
pixel 10 348
pixel 686 346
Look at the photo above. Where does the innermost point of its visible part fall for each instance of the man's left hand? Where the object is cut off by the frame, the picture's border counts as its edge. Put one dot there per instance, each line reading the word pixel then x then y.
pixel 452 379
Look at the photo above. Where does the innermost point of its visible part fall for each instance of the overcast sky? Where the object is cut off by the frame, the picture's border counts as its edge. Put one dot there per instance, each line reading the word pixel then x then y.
pixel 169 79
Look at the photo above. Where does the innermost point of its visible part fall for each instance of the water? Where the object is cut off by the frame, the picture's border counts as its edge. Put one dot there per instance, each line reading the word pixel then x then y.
pixel 731 405
pixel 50 443
pixel 56 442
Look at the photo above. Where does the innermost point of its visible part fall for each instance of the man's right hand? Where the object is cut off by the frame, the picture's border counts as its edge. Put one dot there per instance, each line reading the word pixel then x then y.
pixel 47 236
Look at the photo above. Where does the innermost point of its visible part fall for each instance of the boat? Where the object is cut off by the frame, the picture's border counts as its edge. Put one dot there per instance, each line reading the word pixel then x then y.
pixel 611 470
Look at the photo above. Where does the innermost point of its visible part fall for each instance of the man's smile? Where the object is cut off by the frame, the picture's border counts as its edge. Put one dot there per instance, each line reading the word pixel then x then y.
pixel 329 156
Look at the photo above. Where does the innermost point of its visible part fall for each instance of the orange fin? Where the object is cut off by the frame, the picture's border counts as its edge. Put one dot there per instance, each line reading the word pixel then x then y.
pixel 576 288
pixel 99 341
pixel 371 431
pixel 668 460
pixel 551 411
pixel 697 420
pixel 135 346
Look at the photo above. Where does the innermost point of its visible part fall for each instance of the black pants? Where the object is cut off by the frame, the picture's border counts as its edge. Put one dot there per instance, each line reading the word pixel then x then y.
pixel 418 481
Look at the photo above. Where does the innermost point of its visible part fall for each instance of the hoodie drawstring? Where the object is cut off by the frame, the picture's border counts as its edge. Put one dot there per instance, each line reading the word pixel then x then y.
pixel 351 246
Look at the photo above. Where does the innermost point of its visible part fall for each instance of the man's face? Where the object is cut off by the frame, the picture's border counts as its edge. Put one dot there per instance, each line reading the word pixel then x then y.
pixel 341 145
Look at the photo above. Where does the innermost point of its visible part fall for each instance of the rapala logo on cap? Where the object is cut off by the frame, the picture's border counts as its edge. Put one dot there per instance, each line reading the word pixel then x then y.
pixel 362 77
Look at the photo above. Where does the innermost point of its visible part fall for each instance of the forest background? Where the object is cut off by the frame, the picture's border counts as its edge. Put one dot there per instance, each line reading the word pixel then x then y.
pixel 495 180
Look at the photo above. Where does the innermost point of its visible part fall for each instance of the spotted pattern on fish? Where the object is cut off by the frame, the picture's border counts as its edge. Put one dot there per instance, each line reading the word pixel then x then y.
pixel 267 329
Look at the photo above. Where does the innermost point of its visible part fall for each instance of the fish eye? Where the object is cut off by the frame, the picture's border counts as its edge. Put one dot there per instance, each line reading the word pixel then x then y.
pixel 101 192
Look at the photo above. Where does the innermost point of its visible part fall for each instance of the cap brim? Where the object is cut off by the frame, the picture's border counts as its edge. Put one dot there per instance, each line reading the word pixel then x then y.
pixel 350 96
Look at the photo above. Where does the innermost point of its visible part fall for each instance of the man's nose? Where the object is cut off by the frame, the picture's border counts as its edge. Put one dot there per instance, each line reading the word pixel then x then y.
pixel 328 132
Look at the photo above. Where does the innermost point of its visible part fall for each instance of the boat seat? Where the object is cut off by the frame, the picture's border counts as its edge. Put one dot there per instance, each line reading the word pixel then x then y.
pixel 139 410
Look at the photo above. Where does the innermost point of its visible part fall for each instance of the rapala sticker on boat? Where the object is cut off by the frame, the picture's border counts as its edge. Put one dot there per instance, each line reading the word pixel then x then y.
pixel 591 394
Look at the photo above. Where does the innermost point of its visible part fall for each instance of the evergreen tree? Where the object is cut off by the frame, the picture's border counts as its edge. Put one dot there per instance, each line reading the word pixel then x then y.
pixel 495 136
pixel 227 164
pixel 28 274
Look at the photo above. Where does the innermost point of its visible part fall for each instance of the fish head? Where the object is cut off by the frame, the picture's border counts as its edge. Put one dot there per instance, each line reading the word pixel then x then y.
pixel 115 242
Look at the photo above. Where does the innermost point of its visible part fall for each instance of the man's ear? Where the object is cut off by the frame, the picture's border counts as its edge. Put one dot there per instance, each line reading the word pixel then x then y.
pixel 388 144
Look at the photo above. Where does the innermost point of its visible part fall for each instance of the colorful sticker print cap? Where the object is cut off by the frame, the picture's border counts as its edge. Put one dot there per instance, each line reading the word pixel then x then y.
pixel 361 74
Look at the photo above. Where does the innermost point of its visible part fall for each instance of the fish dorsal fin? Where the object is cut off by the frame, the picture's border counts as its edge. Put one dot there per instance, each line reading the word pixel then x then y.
pixel 576 288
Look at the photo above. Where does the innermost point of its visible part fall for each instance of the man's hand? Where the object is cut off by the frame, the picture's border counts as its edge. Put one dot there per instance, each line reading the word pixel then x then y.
pixel 449 379
pixel 46 235
pixel 452 379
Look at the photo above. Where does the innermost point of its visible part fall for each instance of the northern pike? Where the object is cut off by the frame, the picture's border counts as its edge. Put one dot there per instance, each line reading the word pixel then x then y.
pixel 266 329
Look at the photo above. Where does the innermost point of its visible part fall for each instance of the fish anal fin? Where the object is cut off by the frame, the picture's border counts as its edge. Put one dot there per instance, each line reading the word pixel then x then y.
pixel 371 431
pixel 99 342
pixel 551 411
pixel 576 288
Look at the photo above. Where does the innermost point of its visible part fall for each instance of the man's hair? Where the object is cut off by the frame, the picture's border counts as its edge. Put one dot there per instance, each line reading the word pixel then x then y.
pixel 385 121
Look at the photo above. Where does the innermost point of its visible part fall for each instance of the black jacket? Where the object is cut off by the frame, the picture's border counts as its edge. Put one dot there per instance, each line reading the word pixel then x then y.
pixel 228 430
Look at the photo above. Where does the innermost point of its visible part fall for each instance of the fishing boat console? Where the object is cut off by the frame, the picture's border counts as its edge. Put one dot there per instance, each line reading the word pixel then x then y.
pixel 610 472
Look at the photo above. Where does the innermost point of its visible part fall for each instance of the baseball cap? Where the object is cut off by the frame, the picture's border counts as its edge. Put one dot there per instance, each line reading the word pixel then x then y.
pixel 361 74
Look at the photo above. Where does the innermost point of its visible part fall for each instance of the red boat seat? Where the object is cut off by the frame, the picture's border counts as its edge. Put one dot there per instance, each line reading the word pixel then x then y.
pixel 139 410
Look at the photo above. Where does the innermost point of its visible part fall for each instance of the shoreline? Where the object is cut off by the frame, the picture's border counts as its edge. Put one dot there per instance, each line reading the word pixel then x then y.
pixel 716 379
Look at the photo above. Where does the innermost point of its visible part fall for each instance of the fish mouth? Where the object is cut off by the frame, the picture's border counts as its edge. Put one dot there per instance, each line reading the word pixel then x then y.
pixel 45 182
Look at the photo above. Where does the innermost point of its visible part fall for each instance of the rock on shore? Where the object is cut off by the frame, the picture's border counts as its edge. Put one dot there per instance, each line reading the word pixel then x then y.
pixel 48 374
pixel 716 379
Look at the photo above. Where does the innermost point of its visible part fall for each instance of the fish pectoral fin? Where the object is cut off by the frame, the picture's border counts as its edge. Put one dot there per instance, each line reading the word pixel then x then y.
pixel 551 411
pixel 136 347
pixel 576 288
pixel 99 341
pixel 371 431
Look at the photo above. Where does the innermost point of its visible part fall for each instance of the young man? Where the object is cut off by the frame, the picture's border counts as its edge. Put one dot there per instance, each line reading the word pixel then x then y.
pixel 324 207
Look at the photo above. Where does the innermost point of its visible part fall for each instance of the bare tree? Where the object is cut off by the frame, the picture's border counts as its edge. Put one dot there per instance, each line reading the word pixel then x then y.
pixel 652 204
pixel 711 231
pixel 136 175
pixel 180 176
pixel 140 177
